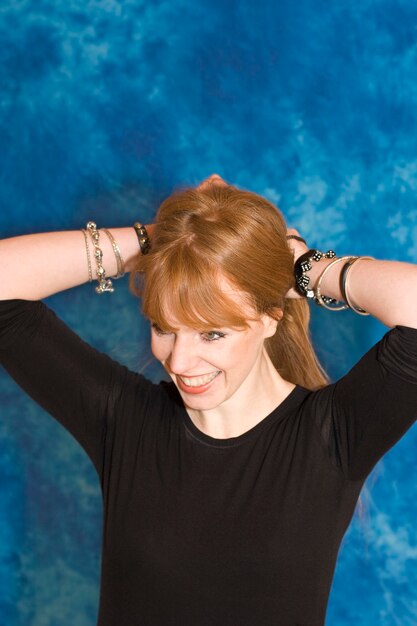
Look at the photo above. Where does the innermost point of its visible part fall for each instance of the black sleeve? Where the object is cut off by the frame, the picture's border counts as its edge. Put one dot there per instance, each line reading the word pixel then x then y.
pixel 75 383
pixel 368 410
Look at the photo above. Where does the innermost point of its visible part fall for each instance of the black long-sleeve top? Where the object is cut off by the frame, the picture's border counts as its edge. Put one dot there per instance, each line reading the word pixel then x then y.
pixel 199 531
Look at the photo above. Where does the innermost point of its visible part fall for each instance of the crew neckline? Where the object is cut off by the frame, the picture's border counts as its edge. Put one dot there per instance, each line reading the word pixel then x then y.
pixel 293 399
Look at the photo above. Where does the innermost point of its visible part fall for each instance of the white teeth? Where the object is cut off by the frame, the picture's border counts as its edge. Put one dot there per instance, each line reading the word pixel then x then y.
pixel 197 381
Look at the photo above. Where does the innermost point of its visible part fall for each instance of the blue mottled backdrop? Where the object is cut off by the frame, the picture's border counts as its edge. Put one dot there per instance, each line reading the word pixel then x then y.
pixel 106 106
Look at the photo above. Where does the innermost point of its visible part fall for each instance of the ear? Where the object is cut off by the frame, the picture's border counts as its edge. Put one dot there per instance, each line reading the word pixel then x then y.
pixel 271 322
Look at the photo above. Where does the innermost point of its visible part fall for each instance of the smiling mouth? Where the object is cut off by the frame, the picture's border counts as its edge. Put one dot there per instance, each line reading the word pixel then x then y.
pixel 198 381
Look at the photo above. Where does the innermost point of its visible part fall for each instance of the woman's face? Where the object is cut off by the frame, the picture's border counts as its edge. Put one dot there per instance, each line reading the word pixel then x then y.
pixel 209 367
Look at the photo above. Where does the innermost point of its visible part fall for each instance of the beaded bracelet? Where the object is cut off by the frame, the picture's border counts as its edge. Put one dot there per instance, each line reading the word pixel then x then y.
pixel 303 265
pixel 143 237
pixel 104 284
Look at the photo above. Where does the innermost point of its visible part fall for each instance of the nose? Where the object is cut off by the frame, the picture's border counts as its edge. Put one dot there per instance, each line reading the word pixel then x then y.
pixel 184 355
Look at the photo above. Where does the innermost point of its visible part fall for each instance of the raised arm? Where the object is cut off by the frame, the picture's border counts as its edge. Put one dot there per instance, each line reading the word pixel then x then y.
pixel 387 290
pixel 40 265
pixel 75 383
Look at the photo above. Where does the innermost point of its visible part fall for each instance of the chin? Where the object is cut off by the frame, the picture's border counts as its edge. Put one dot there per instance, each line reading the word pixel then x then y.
pixel 198 403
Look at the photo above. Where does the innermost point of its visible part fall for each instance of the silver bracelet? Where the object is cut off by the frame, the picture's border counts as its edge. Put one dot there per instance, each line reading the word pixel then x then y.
pixel 349 302
pixel 104 284
pixel 117 254
pixel 318 297
pixel 87 247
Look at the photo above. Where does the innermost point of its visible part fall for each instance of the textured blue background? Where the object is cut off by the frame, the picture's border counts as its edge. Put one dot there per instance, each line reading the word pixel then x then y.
pixel 106 106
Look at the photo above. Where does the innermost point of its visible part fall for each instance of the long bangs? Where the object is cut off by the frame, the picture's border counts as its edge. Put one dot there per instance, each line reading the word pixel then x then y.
pixel 189 289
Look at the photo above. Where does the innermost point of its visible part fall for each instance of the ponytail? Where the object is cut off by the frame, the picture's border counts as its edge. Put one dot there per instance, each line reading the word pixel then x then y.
pixel 291 350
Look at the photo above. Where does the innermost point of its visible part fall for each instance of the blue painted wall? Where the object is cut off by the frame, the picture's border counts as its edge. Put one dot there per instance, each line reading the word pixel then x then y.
pixel 106 106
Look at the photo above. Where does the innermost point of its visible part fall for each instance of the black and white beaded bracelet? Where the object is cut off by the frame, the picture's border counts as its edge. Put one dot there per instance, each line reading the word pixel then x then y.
pixel 301 268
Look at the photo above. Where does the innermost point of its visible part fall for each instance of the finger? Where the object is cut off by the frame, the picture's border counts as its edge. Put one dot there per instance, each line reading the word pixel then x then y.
pixel 214 179
pixel 297 238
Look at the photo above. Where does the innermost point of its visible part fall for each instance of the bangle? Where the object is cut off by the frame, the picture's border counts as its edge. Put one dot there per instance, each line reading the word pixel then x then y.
pixel 342 277
pixel 303 265
pixel 90 273
pixel 354 307
pixel 117 254
pixel 104 284
pixel 324 301
pixel 143 237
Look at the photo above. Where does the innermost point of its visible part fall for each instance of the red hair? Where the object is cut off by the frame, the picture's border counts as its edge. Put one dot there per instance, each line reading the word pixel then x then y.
pixel 203 234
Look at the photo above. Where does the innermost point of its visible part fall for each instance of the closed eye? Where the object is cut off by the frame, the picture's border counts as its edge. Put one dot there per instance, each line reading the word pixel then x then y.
pixel 209 335
pixel 159 330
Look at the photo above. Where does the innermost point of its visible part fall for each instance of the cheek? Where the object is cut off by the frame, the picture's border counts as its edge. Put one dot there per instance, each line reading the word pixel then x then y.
pixel 246 353
pixel 241 357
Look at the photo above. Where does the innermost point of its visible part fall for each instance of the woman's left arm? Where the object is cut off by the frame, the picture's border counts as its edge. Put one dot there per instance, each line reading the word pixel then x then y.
pixel 375 403
pixel 387 290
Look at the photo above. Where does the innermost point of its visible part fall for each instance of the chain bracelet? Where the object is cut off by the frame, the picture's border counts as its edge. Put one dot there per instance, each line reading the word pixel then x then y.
pixel 117 254
pixel 104 284
pixel 87 247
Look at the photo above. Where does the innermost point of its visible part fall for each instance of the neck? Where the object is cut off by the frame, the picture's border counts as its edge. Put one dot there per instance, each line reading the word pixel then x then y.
pixel 261 392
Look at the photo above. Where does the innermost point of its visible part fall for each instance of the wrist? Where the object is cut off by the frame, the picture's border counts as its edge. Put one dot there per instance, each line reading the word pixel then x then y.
pixel 330 284
pixel 325 278
pixel 303 268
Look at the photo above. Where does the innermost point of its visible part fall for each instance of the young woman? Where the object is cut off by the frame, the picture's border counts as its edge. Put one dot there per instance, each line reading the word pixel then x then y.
pixel 226 492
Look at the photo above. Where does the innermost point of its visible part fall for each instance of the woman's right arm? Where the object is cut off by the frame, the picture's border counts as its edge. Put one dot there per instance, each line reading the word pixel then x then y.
pixel 98 400
pixel 71 380
pixel 40 265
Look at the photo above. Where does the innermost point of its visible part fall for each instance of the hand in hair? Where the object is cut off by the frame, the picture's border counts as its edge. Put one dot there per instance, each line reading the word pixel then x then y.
pixel 214 179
